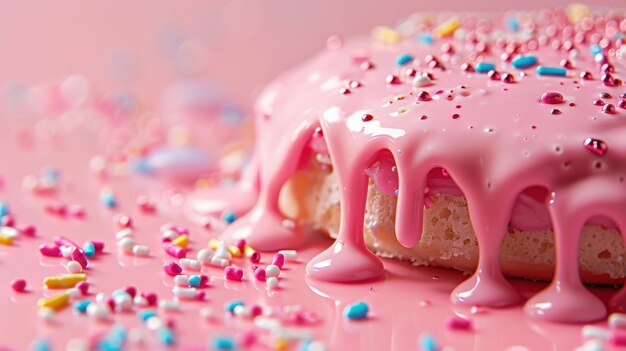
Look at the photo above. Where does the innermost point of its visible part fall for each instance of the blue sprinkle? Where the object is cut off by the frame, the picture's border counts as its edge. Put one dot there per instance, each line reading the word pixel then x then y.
pixel 397 191
pixel 145 314
pixel 50 175
pixel 484 67
pixel 230 306
pixel 595 49
pixel 551 71
pixel 403 59
pixel 425 38
pixel 194 280
pixel 223 343
pixel 4 209
pixel 512 23
pixel 90 249
pixel 524 61
pixel 229 217
pixel 108 200
pixel 427 343
pixel 40 345
pixel 166 336
pixel 357 310
pixel 141 166
pixel 81 305
pixel 114 340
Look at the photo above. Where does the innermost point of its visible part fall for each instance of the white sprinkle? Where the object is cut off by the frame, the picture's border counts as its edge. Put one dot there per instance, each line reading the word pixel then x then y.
pixel 594 345
pixel 123 302
pixel 290 255
pixel 101 297
pixel 272 270
pixel 190 264
pixel 45 313
pixel 219 262
pixel 421 81
pixel 593 332
pixel 169 305
pixel 73 292
pixel 617 321
pixel 98 311
pixel 154 323
pixel 184 293
pixel 223 252
pixel 204 256
pixel 66 251
pixel 73 267
pixel 125 245
pixel 140 301
pixel 267 323
pixel 124 233
pixel 271 282
pixel 206 313
pixel 181 280
pixel 169 234
pixel 141 250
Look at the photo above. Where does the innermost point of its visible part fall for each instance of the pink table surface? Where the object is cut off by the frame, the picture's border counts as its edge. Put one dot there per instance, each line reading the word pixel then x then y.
pixel 124 45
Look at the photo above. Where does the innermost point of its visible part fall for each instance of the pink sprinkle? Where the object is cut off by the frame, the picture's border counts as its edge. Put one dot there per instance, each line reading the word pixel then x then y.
pixel 7 220
pixel 79 256
pixel 279 260
pixel 131 290
pixel 393 79
pixel 233 273
pixel 18 285
pixel 76 211
pixel 256 310
pixel 150 297
pixel 457 323
pixel 111 303
pixel 241 245
pixel 204 280
pixel 172 268
pixel 552 97
pixel 123 221
pixel 83 287
pixel 174 250
pixel 248 339
pixel 181 230
pixel 167 226
pixel 255 257
pixel 63 241
pixel 260 274
pixel 618 339
pixel 29 230
pixel 201 295
pixel 144 205
pixel 50 250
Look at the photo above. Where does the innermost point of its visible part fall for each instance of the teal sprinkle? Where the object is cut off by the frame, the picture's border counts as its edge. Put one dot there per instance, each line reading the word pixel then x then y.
pixel 114 340
pixel 4 209
pixel 108 200
pixel 524 61
pixel 195 280
pixel 40 345
pixel 484 67
pixel 166 336
pixel 230 217
pixel 425 38
pixel 81 305
pixel 595 49
pixel 551 71
pixel 357 310
pixel 145 315
pixel 223 343
pixel 403 59
pixel 512 23
pixel 90 249
pixel 230 306
pixel 427 343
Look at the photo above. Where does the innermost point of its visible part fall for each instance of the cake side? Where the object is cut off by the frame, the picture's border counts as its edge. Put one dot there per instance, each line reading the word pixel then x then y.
pixel 448 238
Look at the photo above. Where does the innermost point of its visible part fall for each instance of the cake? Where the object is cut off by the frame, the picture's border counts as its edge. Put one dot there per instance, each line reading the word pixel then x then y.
pixel 507 130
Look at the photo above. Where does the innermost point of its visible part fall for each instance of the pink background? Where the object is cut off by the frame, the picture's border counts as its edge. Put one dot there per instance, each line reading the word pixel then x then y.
pixel 246 42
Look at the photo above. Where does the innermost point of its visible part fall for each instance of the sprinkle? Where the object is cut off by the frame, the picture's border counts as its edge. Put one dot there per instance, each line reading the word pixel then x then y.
pixel 403 59
pixel 425 38
pixel 595 49
pixel 386 35
pixel 79 256
pixel 190 264
pixel 4 209
pixel 40 345
pixel 18 285
pixel 272 270
pixel 90 249
pixel 174 250
pixel 622 104
pixel 512 23
pixel 125 245
pixel 493 75
pixel 141 251
pixel 607 80
pixel 229 217
pixel 233 273
pixel 484 67
pixel 260 274
pixel 393 79
pixel 551 71
pixel 230 305
pixel 223 343
pixel 290 255
pixel 181 241
pixel 427 343
pixel 64 281
pixel 279 260
pixel 271 282
pixel 169 305
pixel 185 293
pixel 457 323
pixel 55 302
pixel 422 81
pixel 586 75
pixel 6 239
pixel 166 336
pixel 507 78
pixel 345 91
pixel 447 28
pixel 181 280
pixel 172 268
pixel 552 98
pixel 424 96
pixel 73 267
pixel 607 68
pixel 522 62
pixel 597 146
pixel 566 63
pixel 195 281
pixel 467 67
pixel 81 306
pixel 108 199
pixel 357 310
pixel 555 111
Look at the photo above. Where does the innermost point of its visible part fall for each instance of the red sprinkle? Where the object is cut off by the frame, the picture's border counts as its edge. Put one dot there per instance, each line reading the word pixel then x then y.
pixel 18 285
pixel 609 109
pixel 83 287
pixel 424 96
pixel 393 79
pixel 597 146
pixel 457 323
pixel 367 117
pixel 552 97
pixel 79 256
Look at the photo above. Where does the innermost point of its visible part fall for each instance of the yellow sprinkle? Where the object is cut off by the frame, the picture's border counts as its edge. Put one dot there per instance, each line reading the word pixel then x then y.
pixel 214 244
pixel 234 250
pixel 400 111
pixel 248 251
pixel 6 240
pixel 281 344
pixel 64 281
pixel 55 302
pixel 577 12
pixel 386 35
pixel 181 241
pixel 447 28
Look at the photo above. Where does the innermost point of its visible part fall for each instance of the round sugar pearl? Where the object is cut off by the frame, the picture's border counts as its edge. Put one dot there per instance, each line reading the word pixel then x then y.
pixel 271 282
pixel 272 270
pixel 46 313
pixel 73 267
pixel 125 245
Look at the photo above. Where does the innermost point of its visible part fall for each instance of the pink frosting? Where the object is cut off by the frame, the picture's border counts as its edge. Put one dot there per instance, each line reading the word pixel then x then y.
pixel 504 148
